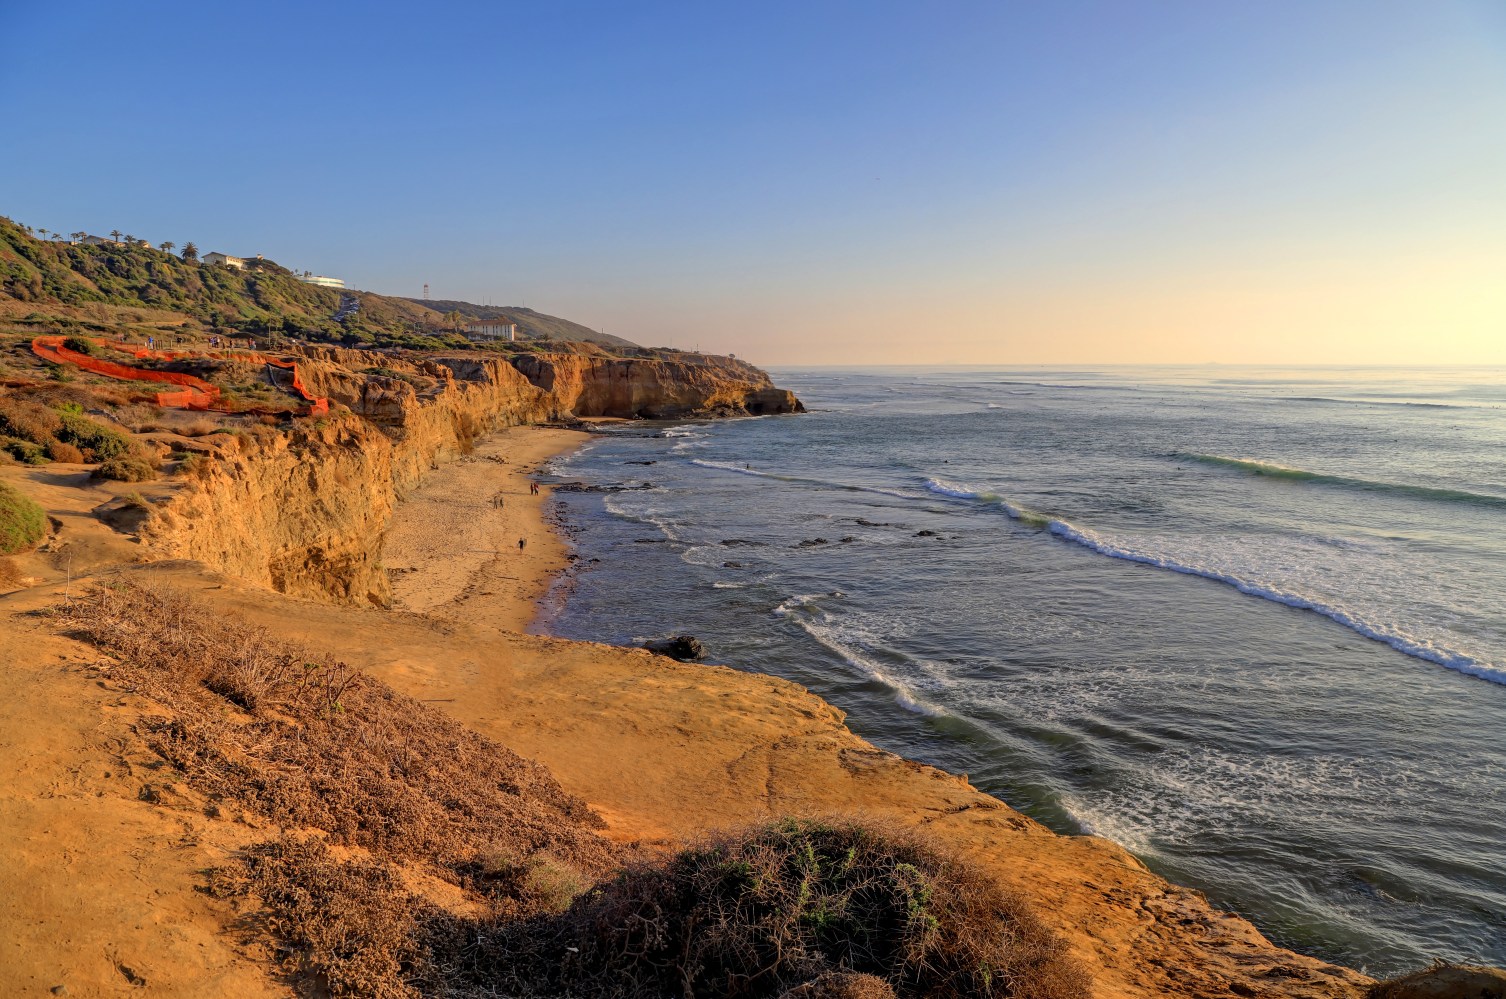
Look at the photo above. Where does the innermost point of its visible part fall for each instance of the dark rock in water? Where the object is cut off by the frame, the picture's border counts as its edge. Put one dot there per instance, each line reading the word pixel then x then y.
pixel 735 542
pixel 581 487
pixel 813 543
pixel 925 534
pixel 732 565
pixel 848 540
pixel 686 648
pixel 640 463
pixel 649 541
pixel 869 523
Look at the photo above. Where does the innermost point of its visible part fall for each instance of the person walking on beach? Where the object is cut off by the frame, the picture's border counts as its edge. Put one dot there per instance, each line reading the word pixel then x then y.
pixel 522 543
pixel 533 488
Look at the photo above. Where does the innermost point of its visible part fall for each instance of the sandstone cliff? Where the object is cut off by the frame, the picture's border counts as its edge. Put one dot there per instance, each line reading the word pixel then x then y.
pixel 656 388
pixel 304 511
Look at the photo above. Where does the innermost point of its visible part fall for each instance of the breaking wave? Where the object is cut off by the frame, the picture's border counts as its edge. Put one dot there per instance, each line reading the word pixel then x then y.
pixel 1275 471
pixel 1408 644
pixel 1400 641
pixel 1023 514
pixel 803 610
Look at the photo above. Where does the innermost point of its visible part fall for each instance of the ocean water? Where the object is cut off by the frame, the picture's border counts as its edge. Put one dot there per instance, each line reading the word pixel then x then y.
pixel 1249 623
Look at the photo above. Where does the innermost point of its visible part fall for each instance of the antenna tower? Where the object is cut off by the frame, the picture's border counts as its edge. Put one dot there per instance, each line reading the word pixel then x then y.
pixel 426 291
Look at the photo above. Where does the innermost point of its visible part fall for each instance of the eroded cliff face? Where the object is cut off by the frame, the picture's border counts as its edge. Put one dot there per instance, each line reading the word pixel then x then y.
pixel 304 511
pixel 655 389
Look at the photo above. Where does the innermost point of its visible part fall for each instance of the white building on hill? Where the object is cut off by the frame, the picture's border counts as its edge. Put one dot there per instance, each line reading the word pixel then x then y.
pixel 492 329
pixel 322 281
pixel 224 258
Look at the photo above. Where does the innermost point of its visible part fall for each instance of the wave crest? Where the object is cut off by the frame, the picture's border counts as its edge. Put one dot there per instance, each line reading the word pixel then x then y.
pixel 1269 469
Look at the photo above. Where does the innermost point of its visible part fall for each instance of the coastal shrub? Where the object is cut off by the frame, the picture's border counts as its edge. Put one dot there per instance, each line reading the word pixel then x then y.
pixel 78 345
pixel 28 420
pixel 94 439
pixel 23 522
pixel 67 453
pixel 127 468
pixel 24 451
pixel 757 913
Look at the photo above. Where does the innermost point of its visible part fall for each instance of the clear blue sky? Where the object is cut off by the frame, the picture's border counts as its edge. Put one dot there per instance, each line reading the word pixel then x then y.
pixel 883 181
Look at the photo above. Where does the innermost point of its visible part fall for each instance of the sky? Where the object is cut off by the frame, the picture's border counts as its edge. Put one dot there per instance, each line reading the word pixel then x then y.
pixel 813 182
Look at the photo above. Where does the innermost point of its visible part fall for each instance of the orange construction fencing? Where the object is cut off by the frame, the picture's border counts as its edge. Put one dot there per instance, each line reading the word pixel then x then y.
pixel 195 393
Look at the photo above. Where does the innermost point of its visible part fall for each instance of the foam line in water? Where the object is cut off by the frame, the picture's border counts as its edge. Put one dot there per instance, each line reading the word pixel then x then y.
pixel 727 466
pixel 1407 644
pixel 1023 514
pixel 826 637
pixel 1272 470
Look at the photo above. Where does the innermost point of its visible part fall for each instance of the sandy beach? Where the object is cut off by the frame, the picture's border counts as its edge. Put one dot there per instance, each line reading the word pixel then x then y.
pixel 453 549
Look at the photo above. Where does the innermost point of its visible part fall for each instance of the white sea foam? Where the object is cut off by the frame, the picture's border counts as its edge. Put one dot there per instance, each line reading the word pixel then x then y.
pixel 815 622
pixel 1023 514
pixel 727 466
pixel 1398 640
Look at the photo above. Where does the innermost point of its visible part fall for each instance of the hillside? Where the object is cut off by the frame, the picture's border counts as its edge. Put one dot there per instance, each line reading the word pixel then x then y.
pixel 137 288
pixel 533 324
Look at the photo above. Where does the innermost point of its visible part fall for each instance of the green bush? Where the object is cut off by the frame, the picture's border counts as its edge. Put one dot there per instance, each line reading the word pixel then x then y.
pixel 78 345
pixel 23 523
pixel 24 451
pixel 87 435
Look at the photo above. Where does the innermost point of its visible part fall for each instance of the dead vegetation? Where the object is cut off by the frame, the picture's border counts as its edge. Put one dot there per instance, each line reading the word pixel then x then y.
pixel 382 793
pixel 758 913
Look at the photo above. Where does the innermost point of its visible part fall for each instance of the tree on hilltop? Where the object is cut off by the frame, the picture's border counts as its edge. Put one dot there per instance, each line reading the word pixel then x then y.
pixel 77 236
pixel 167 247
pixel 115 235
pixel 190 251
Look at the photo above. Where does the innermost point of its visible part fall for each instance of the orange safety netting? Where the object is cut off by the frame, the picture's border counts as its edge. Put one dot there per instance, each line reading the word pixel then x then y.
pixel 195 393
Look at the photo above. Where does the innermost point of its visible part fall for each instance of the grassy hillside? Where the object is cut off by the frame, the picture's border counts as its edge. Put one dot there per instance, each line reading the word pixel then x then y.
pixel 531 324
pixel 53 283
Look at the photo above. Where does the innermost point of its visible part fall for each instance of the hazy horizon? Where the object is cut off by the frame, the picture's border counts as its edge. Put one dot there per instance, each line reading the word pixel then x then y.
pixel 994 184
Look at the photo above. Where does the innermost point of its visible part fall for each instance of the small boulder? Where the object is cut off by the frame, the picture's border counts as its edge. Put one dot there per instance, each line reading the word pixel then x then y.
pixel 1445 981
pixel 686 648
pixel 813 543
pixel 925 534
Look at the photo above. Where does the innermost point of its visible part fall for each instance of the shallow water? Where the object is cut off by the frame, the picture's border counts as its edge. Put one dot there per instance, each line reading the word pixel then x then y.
pixel 1249 623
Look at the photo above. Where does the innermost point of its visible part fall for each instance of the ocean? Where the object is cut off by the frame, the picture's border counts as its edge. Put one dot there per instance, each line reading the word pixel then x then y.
pixel 1250 623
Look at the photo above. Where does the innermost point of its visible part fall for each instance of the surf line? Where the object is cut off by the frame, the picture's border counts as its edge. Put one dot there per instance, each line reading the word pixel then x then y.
pixel 1456 661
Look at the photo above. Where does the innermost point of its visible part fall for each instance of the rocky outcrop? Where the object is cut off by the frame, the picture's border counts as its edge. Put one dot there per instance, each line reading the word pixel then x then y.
pixel 655 388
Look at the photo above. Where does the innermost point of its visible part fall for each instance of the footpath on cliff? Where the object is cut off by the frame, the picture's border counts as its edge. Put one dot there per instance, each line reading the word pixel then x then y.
pixel 397 552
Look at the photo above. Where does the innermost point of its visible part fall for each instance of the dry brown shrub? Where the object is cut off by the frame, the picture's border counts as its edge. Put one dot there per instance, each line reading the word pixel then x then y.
pixel 326 746
pixel 200 428
pixel 352 923
pixel 29 420
pixel 59 451
pixel 11 576
pixel 756 913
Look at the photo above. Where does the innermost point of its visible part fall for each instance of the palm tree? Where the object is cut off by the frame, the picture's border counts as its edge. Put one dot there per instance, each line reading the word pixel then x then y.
pixel 167 247
pixel 190 251
pixel 77 236
pixel 115 235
